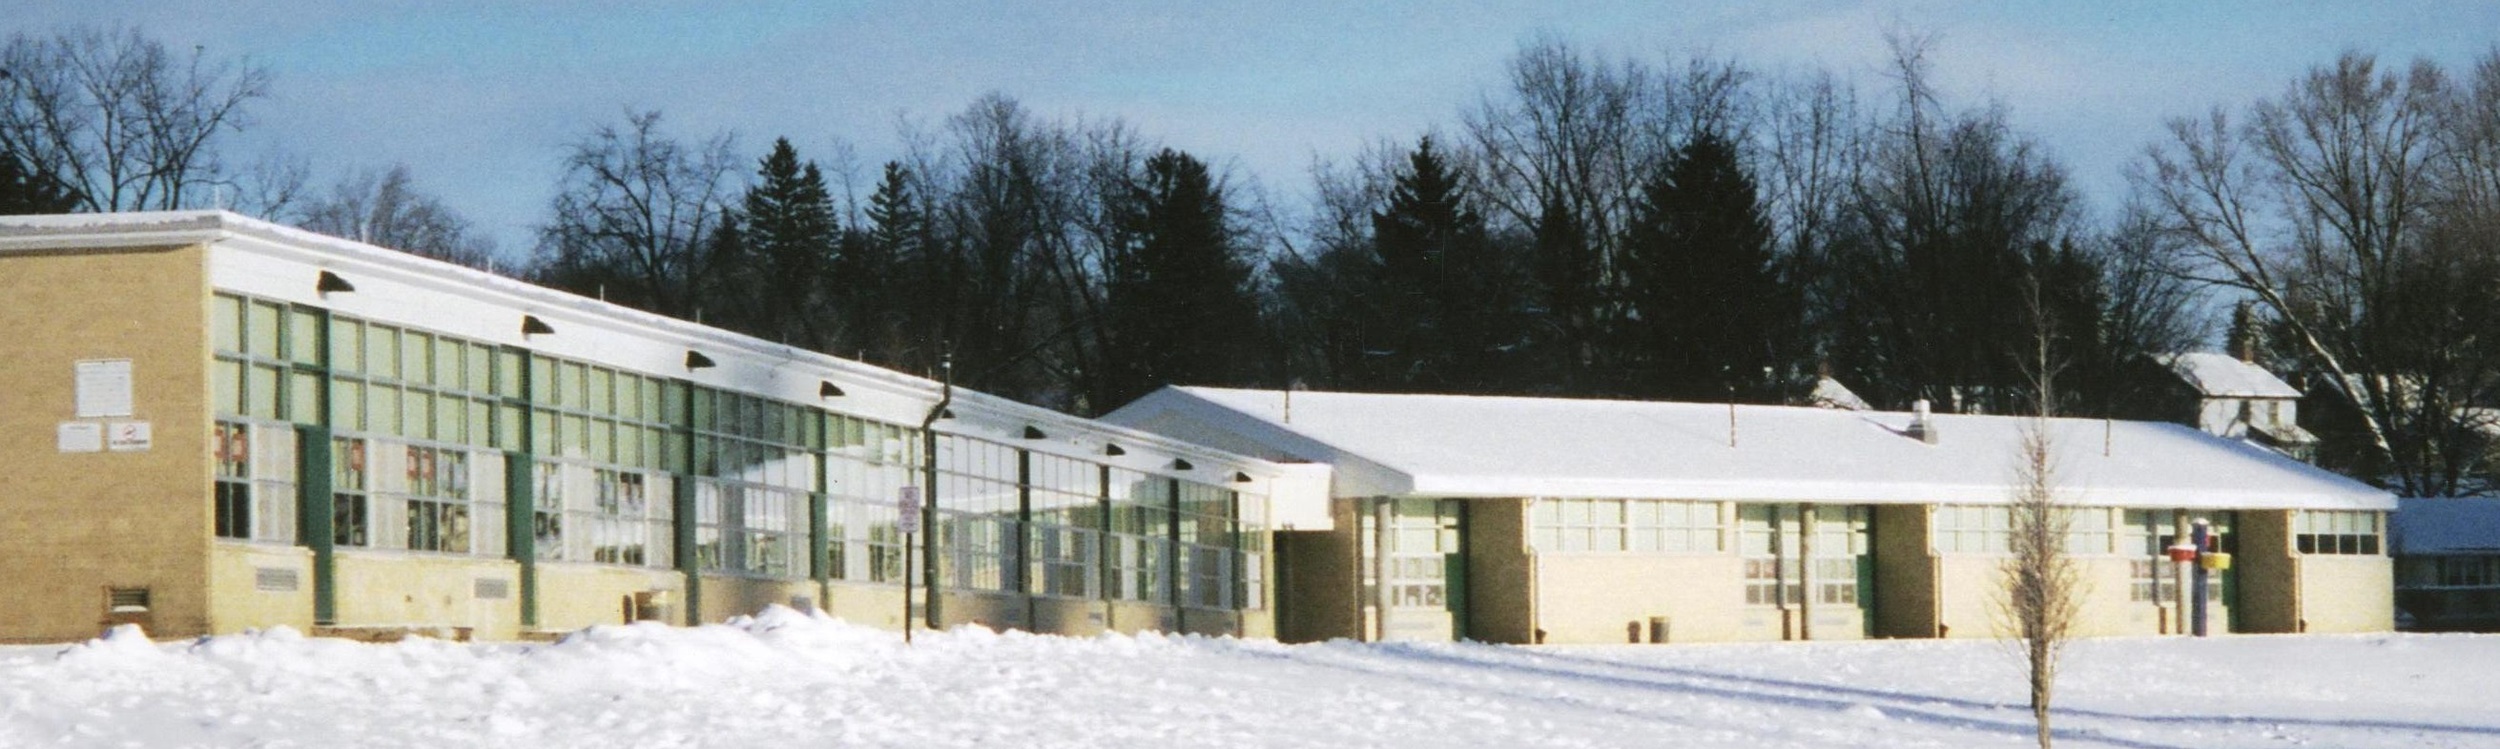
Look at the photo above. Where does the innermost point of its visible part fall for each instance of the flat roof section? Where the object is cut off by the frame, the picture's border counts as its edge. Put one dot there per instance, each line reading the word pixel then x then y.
pixel 1484 446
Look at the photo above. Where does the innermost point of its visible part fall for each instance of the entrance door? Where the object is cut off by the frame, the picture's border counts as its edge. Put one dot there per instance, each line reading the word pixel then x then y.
pixel 1418 568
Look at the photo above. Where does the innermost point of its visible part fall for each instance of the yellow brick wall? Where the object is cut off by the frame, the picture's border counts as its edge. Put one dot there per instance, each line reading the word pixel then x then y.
pixel 2269 581
pixel 573 596
pixel 77 524
pixel 390 589
pixel 1316 582
pixel 727 596
pixel 1609 597
pixel 2347 593
pixel 878 605
pixel 1905 572
pixel 1501 585
pixel 239 602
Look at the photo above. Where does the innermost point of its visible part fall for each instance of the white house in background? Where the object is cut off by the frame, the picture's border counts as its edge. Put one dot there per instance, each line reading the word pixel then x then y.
pixel 2240 400
pixel 1513 519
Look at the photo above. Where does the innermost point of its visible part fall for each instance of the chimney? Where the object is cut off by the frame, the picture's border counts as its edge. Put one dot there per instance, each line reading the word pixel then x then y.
pixel 1921 426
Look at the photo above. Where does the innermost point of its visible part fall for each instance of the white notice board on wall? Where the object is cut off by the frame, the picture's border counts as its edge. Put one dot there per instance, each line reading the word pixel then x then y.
pixel 103 388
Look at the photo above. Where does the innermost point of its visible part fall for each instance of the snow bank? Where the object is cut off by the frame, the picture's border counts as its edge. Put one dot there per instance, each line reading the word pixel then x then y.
pixel 789 678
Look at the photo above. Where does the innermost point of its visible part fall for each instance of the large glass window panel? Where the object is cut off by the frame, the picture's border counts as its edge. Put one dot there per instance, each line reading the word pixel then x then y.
pixel 382 351
pixel 261 332
pixel 347 347
pixel 303 336
pixel 225 324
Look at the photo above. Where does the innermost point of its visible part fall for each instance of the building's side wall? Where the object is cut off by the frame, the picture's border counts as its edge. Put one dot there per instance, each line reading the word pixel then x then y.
pixel 1973 595
pixel 725 596
pixel 1905 572
pixel 2266 574
pixel 77 524
pixel 1316 582
pixel 260 585
pixel 1970 591
pixel 405 589
pixel 573 596
pixel 874 605
pixel 1501 585
pixel 1611 598
pixel 2103 586
pixel 2347 593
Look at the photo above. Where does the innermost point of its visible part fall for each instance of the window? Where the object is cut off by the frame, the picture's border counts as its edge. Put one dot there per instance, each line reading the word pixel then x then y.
pixel 1208 538
pixel 1840 541
pixel 396 382
pixel 2146 539
pixel 1638 525
pixel 437 498
pixel 2088 532
pixel 1140 548
pixel 2340 532
pixel 255 488
pixel 867 466
pixel 1973 529
pixel 547 480
pixel 349 524
pixel 1066 542
pixel 603 515
pixel 1772 572
pixel 975 514
pixel 1251 557
pixel 2450 572
pixel 626 527
pixel 755 462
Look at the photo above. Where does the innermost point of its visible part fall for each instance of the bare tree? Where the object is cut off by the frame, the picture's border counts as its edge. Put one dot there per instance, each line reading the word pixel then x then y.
pixel 635 216
pixel 2042 587
pixel 388 210
pixel 2344 208
pixel 119 120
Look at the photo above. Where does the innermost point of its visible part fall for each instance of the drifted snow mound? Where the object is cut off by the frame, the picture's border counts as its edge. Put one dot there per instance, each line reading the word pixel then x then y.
pixel 791 678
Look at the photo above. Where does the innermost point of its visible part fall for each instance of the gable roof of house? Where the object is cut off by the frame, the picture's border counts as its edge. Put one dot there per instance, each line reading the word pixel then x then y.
pixel 2224 376
pixel 1479 446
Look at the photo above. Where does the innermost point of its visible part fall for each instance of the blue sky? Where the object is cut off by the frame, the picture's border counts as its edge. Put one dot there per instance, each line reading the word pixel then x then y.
pixel 479 101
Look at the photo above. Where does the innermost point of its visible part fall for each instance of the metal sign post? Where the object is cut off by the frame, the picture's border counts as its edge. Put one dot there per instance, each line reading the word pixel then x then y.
pixel 907 520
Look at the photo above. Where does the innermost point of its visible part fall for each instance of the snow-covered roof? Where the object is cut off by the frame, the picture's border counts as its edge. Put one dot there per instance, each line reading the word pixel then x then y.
pixel 2443 525
pixel 2224 376
pixel 1463 446
pixel 1829 393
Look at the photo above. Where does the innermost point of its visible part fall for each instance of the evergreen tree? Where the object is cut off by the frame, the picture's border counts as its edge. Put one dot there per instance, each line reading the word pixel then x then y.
pixel 25 190
pixel 885 281
pixel 779 279
pixel 1180 303
pixel 1446 312
pixel 1571 290
pixel 1715 318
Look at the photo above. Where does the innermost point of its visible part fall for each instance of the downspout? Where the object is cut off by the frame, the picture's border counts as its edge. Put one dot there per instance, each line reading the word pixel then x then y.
pixel 929 493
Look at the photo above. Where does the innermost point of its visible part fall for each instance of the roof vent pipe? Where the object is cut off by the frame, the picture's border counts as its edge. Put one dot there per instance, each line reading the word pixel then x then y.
pixel 1921 426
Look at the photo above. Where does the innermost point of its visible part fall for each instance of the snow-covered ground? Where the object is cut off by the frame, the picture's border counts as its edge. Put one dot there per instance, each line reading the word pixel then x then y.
pixel 787 679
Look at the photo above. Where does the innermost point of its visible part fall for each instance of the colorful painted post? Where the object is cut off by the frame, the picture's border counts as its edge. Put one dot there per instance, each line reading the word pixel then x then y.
pixel 2203 539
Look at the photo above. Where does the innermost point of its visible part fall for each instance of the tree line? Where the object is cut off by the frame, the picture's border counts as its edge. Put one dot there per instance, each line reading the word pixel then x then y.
pixel 1670 228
